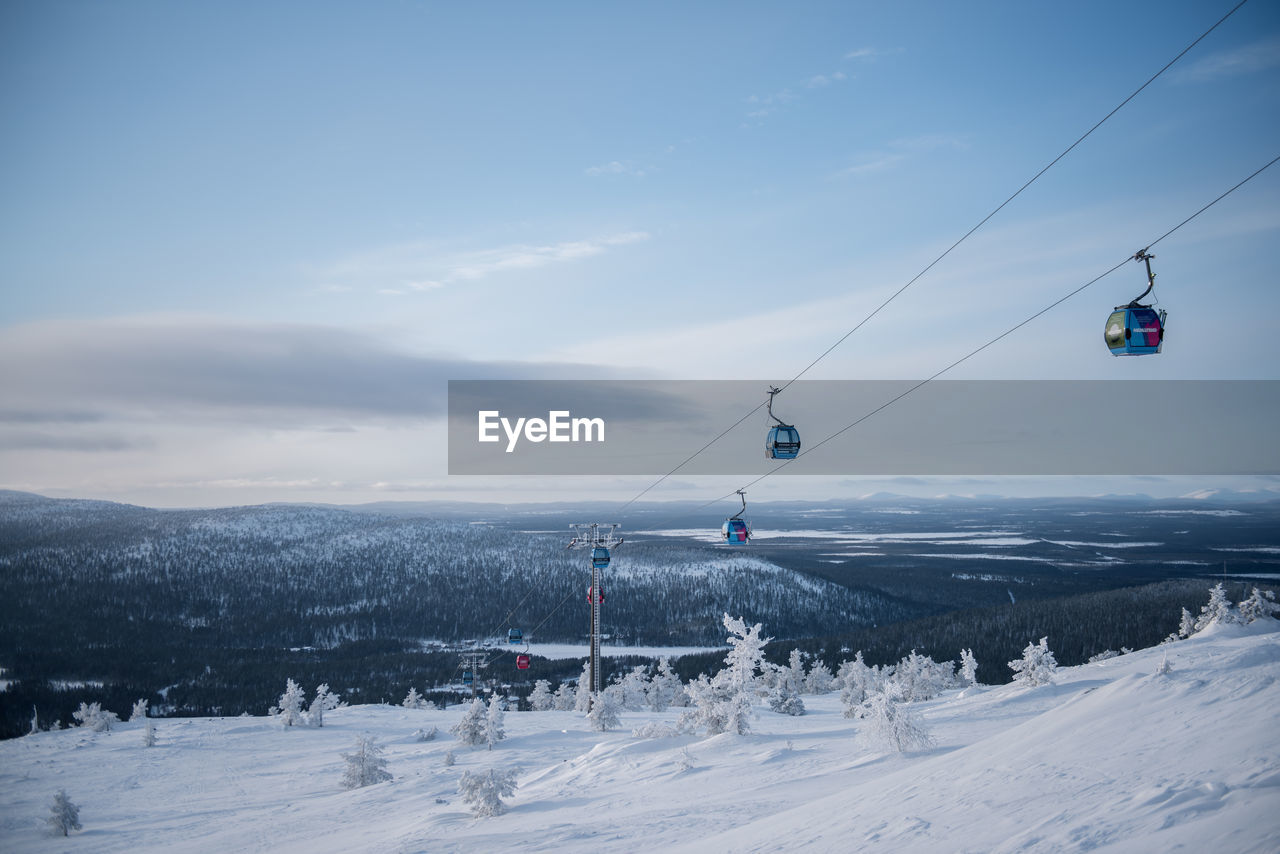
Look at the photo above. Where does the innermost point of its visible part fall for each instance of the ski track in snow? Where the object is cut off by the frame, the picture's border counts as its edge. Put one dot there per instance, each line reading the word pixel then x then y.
pixel 1113 757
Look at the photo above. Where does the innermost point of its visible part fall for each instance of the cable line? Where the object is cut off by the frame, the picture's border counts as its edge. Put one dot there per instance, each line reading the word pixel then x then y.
pixel 949 250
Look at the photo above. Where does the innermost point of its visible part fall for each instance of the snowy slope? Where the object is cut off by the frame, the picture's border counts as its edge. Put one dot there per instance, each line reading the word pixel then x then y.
pixel 1114 757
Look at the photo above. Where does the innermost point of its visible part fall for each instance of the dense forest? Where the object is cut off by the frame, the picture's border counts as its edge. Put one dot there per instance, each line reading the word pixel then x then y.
pixel 209 611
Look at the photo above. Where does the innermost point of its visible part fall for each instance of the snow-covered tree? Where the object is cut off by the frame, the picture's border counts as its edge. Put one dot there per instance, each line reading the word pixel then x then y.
pixel 892 725
pixel 565 698
pixel 582 699
pixel 366 765
pixel 325 701
pixel 139 711
pixel 64 816
pixel 819 679
pixel 470 730
pixel 91 716
pixel 706 708
pixel 857 682
pixel 35 722
pixel 665 688
pixel 791 677
pixel 427 734
pixel 449 759
pixel 289 707
pixel 1187 626
pixel 1037 665
pixel 412 700
pixel 604 712
pixel 541 700
pixel 746 655
pixel 635 688
pixel 968 667
pixel 1260 604
pixel 493 723
pixel 921 678
pixel 1217 610
pixel 484 791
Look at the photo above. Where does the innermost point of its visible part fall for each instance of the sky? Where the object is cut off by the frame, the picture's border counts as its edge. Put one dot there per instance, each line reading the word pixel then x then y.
pixel 244 246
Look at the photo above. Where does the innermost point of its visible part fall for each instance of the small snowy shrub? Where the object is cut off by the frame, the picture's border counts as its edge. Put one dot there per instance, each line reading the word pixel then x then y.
pixel 484 791
pixel 891 725
pixel 968 667
pixel 655 729
pixel 91 716
pixel 366 766
pixel 139 711
pixel 1037 665
pixel 786 702
pixel 1217 610
pixel 819 680
pixel 64 816
pixel 449 759
pixel 412 700
pixel 427 734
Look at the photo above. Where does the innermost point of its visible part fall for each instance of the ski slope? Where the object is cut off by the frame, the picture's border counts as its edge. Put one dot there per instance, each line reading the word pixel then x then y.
pixel 1114 757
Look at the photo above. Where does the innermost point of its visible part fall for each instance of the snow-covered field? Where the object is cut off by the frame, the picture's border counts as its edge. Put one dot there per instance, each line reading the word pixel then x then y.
pixel 1114 757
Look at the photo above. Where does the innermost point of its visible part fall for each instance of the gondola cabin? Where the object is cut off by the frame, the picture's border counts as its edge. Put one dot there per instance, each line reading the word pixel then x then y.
pixel 599 595
pixel 783 443
pixel 522 662
pixel 735 531
pixel 599 557
pixel 515 636
pixel 468 677
pixel 1134 331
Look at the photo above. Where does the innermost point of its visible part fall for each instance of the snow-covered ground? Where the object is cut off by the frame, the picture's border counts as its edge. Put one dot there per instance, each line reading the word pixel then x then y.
pixel 1114 757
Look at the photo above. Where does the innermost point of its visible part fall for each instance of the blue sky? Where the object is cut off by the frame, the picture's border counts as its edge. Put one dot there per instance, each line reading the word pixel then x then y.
pixel 243 246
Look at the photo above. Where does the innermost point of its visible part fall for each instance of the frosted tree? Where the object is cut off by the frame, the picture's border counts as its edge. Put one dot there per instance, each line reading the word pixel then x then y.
pixel 470 730
pixel 139 711
pixel 665 688
pixel 485 790
pixel 819 679
pixel 1260 604
pixel 35 722
pixel 604 712
pixel 746 655
pixel 541 700
pixel 893 726
pixel 968 667
pixel 1037 665
pixel 289 707
pixel 493 722
pixel 706 708
pixel 412 700
pixel 565 698
pixel 91 716
pixel 582 700
pixel 857 682
pixel 635 688
pixel 366 766
pixel 64 816
pixel 1217 610
pixel 427 734
pixel 325 701
pixel 791 677
pixel 449 759
pixel 920 677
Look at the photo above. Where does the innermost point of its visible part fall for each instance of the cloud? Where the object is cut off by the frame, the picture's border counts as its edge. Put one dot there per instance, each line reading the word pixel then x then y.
pixel 183 369
pixel 870 54
pixel 616 167
pixel 1248 59
pixel 899 150
pixel 421 266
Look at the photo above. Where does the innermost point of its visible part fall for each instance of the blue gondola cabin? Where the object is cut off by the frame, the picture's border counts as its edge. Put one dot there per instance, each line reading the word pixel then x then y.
pixel 515 636
pixel 735 531
pixel 783 443
pixel 1134 331
pixel 599 557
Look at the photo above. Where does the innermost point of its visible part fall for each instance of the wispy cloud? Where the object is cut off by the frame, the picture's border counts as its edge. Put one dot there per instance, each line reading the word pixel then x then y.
pixel 897 151
pixel 869 54
pixel 1248 59
pixel 820 80
pixel 417 267
pixel 617 167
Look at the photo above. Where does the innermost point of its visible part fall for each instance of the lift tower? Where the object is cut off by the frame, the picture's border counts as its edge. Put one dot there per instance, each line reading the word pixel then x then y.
pixel 599 537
